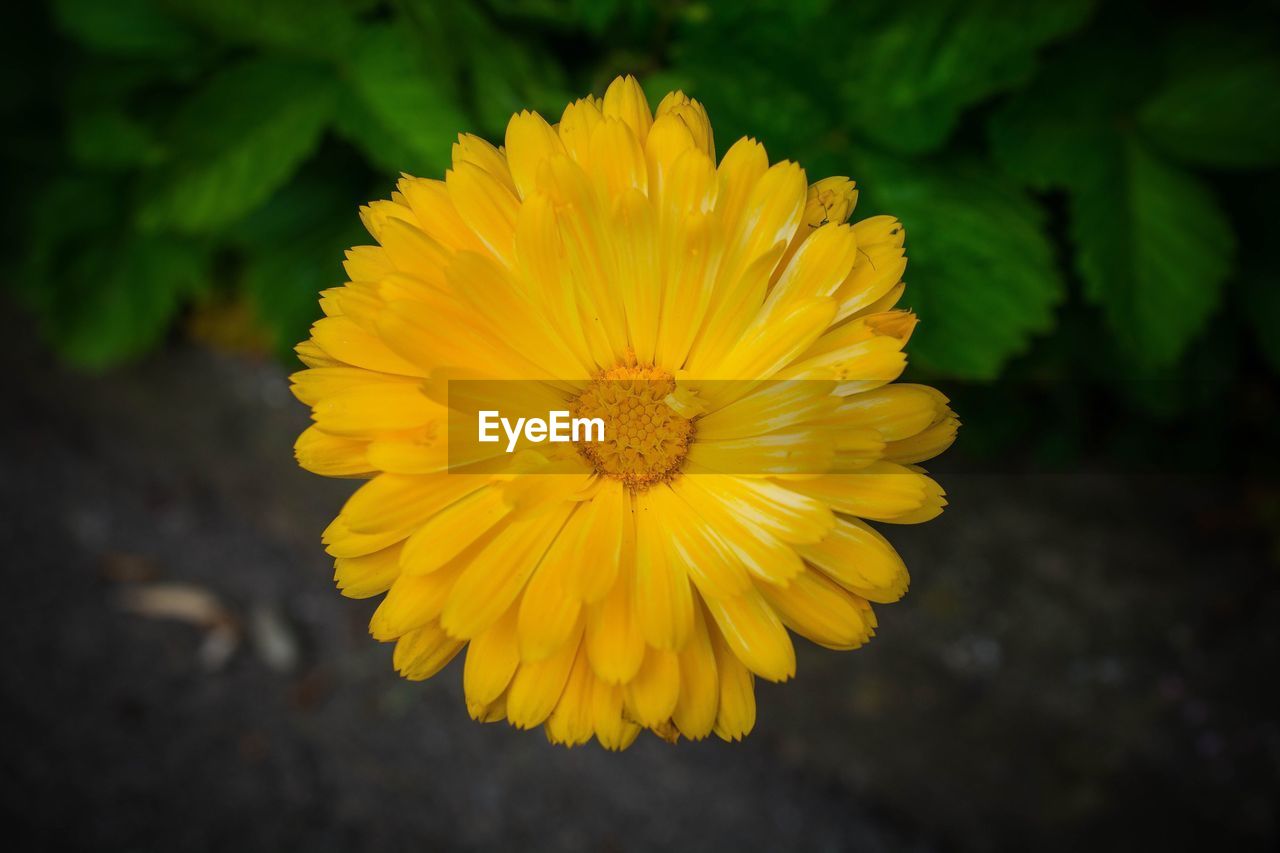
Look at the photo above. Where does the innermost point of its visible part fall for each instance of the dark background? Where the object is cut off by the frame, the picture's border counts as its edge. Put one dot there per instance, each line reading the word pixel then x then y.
pixel 1087 655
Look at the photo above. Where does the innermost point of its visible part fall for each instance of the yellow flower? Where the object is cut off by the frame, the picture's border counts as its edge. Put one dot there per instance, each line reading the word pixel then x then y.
pixel 738 340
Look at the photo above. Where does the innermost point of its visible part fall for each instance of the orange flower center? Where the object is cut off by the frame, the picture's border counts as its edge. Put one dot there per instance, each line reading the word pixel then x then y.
pixel 645 441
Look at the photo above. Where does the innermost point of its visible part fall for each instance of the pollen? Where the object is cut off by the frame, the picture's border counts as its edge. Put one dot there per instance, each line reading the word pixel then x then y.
pixel 645 441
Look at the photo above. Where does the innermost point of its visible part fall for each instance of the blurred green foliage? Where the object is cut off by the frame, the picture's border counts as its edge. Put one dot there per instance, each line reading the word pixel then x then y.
pixel 1080 181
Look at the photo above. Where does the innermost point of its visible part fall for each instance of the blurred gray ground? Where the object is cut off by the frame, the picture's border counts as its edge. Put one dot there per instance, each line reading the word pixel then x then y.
pixel 1084 658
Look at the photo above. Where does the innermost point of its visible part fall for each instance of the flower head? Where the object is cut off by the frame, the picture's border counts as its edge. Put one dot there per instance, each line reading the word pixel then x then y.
pixel 736 338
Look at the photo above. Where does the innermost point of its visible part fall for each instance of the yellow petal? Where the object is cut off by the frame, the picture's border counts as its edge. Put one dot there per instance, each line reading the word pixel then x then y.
pixel 774 340
pixel 341 541
pixel 855 355
pixel 488 207
pixel 829 202
pixel 530 140
pixel 652 695
pixel 576 128
pixel 497 574
pixel 537 685
pixel 668 139
pixel 884 303
pixel 637 275
pixel 625 100
pixel 736 711
pixel 422 451
pixel 314 384
pixel 411 251
pixel 344 340
pixel 934 502
pixel 695 711
pixel 875 274
pixel 693 115
pixel 754 633
pixel 800 450
pixel 436 215
pixel 413 601
pixel 613 732
pixel 884 491
pixel 310 354
pixel 617 160
pixel 496 296
pixel 861 560
pixel 492 658
pixel 376 408
pixel 367 263
pixel 819 610
pixel 895 411
pixel 664 600
pixel 756 242
pixel 542 261
pixel 695 547
pixel 614 642
pixel 454 529
pixel 429 334
pixel 925 444
pixel 818 268
pixel 588 265
pixel 474 151
pixel 741 168
pixel 368 575
pixel 395 502
pixel 689 265
pixel 570 723
pixel 770 407
pixel 377 214
pixel 549 613
pixel 330 455
pixel 493 712
pixel 765 556
pixel 592 546
pixel 771 213
pixel 425 651
pixel 772 507
pixel 880 230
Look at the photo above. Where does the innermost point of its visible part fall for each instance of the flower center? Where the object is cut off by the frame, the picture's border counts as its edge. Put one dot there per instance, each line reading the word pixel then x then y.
pixel 645 441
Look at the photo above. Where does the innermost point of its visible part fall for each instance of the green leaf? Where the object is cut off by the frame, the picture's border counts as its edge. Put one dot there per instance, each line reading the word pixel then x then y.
pixel 1219 106
pixel 66 210
pixel 1151 243
pixel 283 283
pixel 404 112
pixel 592 15
pixel 101 296
pixel 980 273
pixel 509 75
pixel 898 73
pixel 912 72
pixel 109 139
pixel 1154 250
pixel 385 151
pixel 293 247
pixel 116 298
pixel 124 27
pixel 1064 128
pixel 314 28
pixel 236 141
